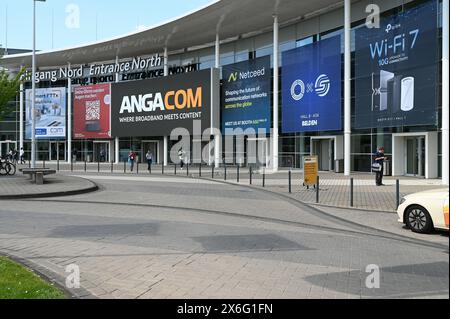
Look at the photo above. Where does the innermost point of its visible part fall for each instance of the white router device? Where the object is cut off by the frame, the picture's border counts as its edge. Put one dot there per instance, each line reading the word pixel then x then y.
pixel 407 97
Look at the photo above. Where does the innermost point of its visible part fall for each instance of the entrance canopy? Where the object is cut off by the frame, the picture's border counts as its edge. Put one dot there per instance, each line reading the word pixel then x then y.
pixel 229 18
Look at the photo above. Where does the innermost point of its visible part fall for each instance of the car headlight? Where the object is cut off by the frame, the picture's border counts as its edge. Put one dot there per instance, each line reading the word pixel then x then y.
pixel 402 201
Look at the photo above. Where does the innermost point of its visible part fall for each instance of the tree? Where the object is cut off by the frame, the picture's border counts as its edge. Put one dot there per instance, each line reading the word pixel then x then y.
pixel 9 87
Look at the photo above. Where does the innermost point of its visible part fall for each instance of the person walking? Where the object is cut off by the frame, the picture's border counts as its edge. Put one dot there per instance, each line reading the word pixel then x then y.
pixel 74 155
pixel 131 160
pixel 22 156
pixel 181 154
pixel 149 157
pixel 379 166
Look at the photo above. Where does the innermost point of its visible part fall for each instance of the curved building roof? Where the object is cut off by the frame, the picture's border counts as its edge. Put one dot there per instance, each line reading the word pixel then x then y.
pixel 230 18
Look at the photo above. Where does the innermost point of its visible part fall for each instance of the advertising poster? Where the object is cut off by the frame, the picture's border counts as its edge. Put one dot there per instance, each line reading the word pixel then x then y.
pixel 396 70
pixel 311 87
pixel 158 106
pixel 246 96
pixel 91 112
pixel 50 111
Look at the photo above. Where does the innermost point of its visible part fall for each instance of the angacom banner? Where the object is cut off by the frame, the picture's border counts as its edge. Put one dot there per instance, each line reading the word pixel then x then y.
pixel 396 70
pixel 50 111
pixel 158 106
pixel 91 112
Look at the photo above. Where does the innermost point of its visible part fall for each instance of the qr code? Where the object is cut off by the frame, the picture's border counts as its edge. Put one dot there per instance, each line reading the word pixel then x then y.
pixel 92 110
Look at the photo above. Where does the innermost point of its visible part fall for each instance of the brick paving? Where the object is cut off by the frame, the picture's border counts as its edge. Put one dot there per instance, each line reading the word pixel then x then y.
pixel 18 186
pixel 334 188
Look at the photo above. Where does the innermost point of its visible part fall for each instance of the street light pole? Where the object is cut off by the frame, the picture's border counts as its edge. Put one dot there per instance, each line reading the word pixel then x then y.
pixel 33 91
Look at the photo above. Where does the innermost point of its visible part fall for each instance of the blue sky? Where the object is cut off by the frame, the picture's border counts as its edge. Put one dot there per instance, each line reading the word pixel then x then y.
pixel 114 18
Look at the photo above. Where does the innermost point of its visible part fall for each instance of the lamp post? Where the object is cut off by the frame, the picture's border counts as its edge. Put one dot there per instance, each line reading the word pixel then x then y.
pixel 33 91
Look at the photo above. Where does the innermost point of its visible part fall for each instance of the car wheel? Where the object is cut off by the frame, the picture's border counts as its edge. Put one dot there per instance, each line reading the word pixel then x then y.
pixel 419 220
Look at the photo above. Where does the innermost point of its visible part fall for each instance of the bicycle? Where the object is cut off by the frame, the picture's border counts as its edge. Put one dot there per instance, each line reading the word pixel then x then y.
pixel 7 168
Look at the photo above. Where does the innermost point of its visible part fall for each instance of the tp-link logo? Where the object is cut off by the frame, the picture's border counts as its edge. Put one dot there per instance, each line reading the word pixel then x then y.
pixel 323 85
pixel 297 96
pixel 388 28
pixel 233 77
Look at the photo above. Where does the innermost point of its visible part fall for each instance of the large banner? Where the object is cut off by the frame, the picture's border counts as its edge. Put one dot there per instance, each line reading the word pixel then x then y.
pixel 311 87
pixel 396 70
pixel 246 96
pixel 156 107
pixel 91 112
pixel 50 111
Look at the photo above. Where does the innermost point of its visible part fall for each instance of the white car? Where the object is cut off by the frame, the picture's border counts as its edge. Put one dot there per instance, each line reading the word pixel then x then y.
pixel 425 211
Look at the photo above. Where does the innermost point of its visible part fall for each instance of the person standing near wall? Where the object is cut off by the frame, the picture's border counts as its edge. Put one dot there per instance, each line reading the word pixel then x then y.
pixel 379 169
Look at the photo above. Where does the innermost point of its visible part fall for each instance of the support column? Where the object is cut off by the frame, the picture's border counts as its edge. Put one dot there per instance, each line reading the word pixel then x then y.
pixel 217 138
pixel 445 94
pixel 21 107
pixel 117 140
pixel 69 119
pixel 166 138
pixel 275 95
pixel 347 91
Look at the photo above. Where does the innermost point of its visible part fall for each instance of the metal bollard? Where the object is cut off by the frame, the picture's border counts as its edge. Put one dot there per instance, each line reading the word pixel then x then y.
pixel 112 167
pixel 318 190
pixel 212 171
pixel 98 166
pixel 29 164
pixel 71 166
pixel 264 177
pixel 225 174
pixel 397 191
pixel 290 182
pixel 137 168
pixel 124 167
pixel 251 175
pixel 175 169
pixel 150 170
pixel 162 169
pixel 200 170
pixel 187 169
pixel 57 165
pixel 85 166
pixel 351 192
pixel 238 173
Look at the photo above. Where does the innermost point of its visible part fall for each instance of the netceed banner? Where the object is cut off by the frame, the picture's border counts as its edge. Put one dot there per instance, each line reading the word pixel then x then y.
pixel 158 106
pixel 50 111
pixel 91 112
pixel 246 96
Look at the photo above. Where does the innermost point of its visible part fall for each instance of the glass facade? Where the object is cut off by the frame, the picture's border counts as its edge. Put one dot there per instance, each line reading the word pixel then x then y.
pixel 292 147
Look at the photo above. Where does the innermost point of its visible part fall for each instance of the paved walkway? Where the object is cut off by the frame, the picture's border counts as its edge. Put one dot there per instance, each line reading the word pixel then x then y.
pixel 166 237
pixel 334 188
pixel 17 187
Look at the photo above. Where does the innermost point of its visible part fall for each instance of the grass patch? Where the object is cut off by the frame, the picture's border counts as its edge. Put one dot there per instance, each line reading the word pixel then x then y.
pixel 17 282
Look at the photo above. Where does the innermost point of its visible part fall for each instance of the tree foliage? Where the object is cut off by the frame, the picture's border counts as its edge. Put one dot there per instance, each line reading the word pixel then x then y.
pixel 9 88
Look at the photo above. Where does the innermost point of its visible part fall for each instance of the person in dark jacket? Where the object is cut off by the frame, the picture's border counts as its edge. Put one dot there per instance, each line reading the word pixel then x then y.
pixel 379 159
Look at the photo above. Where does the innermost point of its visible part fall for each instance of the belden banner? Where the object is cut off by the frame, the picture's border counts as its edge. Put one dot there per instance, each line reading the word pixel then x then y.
pixel 246 96
pixel 397 70
pixel 311 87
pixel 50 112
pixel 158 106
pixel 91 112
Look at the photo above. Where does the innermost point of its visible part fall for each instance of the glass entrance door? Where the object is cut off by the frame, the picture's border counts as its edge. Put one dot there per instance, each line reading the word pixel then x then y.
pixel 101 152
pixel 324 150
pixel 415 156
pixel 57 151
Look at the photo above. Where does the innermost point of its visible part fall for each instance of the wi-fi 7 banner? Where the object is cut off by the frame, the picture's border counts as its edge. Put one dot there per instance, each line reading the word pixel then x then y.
pixel 396 70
